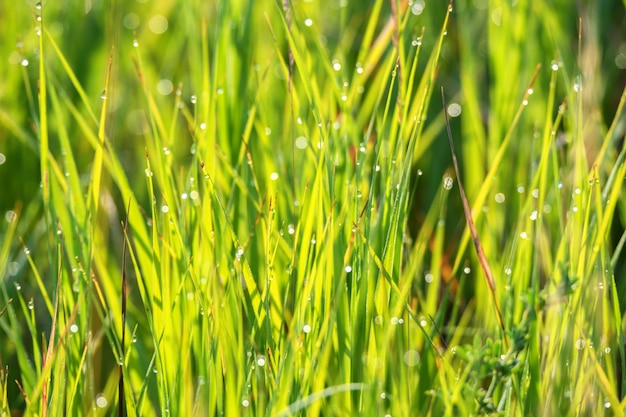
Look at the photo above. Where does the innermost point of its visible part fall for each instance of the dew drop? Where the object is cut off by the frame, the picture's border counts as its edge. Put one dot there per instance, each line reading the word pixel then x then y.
pixel 306 328
pixel 301 142
pixel 103 95
pixel 411 357
pixel 454 110
pixel 500 198
pixel 467 270
pixel 18 286
pixel 38 5
pixel 274 176
pixel 239 253
pixel 580 344
pixel 101 401
pixel 448 182
pixel 245 403
pixel 348 269
pixel 74 328
pixel 428 277
pixel 135 43
pixel 308 22
pixel 31 304
pixel 554 65
pixel 24 62
pixel 260 360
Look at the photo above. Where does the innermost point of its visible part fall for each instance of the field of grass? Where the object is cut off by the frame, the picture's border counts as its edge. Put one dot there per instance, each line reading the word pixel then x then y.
pixel 224 208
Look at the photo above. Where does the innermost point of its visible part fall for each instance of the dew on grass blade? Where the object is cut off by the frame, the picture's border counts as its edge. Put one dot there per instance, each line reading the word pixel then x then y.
pixel 103 95
pixel 193 99
pixel 308 22
pixel 165 208
pixel 31 304
pixel 336 65
pixel 580 344
pixel 554 65
pixel 454 110
pixel 306 328
pixel 448 182
pixel 500 198
pixel 301 142
pixel 411 357
pixel 428 277
pixel 274 176
pixel 467 270
pixel 10 216
pixel 418 7
pixel 260 360
pixel 13 268
pixel 26 251
pixel 239 253
pixel 18 286
pixel 165 87
pixel 135 43
pixel 101 401
pixel 24 62
pixel 245 403
pixel 74 328
pixel 158 24
pixel 348 269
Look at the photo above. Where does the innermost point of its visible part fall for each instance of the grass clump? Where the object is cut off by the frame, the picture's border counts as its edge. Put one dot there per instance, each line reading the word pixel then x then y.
pixel 249 208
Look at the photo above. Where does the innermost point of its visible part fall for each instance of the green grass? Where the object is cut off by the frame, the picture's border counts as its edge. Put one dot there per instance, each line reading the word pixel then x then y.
pixel 253 211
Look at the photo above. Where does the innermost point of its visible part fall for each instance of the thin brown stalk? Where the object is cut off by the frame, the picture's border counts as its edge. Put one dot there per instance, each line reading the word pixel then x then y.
pixel 480 252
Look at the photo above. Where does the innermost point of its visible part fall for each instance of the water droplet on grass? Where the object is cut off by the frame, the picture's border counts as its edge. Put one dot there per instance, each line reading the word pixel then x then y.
pixel 306 328
pixel 193 99
pixel 467 270
pixel 148 172
pixel 26 251
pixel 411 357
pixel 31 304
pixel 165 209
pixel 348 269
pixel 260 360
pixel 38 5
pixel 165 87
pixel 554 65
pixel 245 403
pixel 10 216
pixel 301 142
pixel 499 198
pixel 24 62
pixel 274 176
pixel 158 24
pixel 308 22
pixel 336 65
pixel 101 401
pixel 18 286
pixel 428 277
pixel 454 110
pixel 103 95
pixel 239 253
pixel 448 182
pixel 135 43
pixel 580 344
pixel 74 328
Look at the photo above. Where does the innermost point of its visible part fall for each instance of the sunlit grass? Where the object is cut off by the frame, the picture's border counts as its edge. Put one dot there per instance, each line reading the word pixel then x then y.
pixel 276 180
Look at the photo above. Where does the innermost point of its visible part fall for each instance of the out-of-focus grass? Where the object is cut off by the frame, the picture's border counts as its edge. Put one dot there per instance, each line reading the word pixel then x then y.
pixel 296 244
